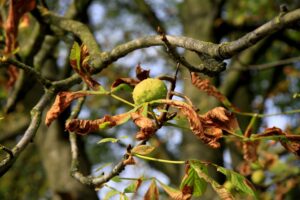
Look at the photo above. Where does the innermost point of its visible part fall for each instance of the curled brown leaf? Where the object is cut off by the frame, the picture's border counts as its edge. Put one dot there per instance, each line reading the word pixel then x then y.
pixel 84 127
pixel 141 73
pixel 206 86
pixel 147 126
pixel 129 81
pixel 250 150
pixel 62 101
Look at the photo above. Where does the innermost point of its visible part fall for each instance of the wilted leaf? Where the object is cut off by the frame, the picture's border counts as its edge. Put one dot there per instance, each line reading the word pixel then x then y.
pixel 133 187
pixel 288 141
pixel 16 10
pixel 141 73
pixel 147 126
pixel 192 184
pixel 79 57
pixel 239 181
pixel 152 192
pixel 86 126
pixel 62 101
pixel 250 150
pixel 143 149
pixel 13 73
pixel 175 194
pixel 129 81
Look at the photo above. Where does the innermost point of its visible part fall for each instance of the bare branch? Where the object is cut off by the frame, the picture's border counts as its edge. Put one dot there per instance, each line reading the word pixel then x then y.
pixel 36 114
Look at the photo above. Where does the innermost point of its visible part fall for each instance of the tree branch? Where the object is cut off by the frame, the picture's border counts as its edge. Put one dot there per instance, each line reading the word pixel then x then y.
pixel 36 114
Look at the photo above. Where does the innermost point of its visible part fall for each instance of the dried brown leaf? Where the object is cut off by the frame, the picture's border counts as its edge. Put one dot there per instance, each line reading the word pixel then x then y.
pixel 62 101
pixel 152 192
pixel 147 126
pixel 84 127
pixel 16 10
pixel 221 118
pixel 207 134
pixel 290 142
pixel 129 81
pixel 250 151
pixel 206 86
pixel 141 73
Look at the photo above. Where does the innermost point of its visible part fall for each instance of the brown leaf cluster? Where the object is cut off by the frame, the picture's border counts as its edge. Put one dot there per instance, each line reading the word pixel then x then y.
pixel 147 126
pixel 84 70
pixel 62 101
pixel 208 127
pixel 217 120
pixel 16 10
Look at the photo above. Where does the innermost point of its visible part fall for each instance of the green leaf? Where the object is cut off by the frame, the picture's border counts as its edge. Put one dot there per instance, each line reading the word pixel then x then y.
pixel 104 125
pixel 201 170
pixel 133 187
pixel 143 149
pixel 193 180
pixel 122 87
pixel 104 140
pixel 239 181
pixel 123 197
pixel 116 179
pixel 75 56
pixel 110 194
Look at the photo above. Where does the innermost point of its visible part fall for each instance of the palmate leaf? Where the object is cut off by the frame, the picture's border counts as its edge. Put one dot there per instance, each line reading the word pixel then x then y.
pixel 133 187
pixel 110 194
pixel 193 180
pixel 239 181
pixel 201 170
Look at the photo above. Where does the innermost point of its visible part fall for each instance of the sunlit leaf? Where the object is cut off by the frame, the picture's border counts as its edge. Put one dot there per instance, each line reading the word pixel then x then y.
pixel 143 149
pixel 75 56
pixel 105 140
pixel 116 179
pixel 110 194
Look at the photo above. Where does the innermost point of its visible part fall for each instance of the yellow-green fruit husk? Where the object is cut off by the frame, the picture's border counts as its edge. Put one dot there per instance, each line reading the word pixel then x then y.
pixel 258 176
pixel 148 90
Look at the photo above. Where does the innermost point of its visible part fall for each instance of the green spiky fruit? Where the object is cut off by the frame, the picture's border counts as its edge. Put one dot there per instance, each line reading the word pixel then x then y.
pixel 148 90
pixel 258 176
